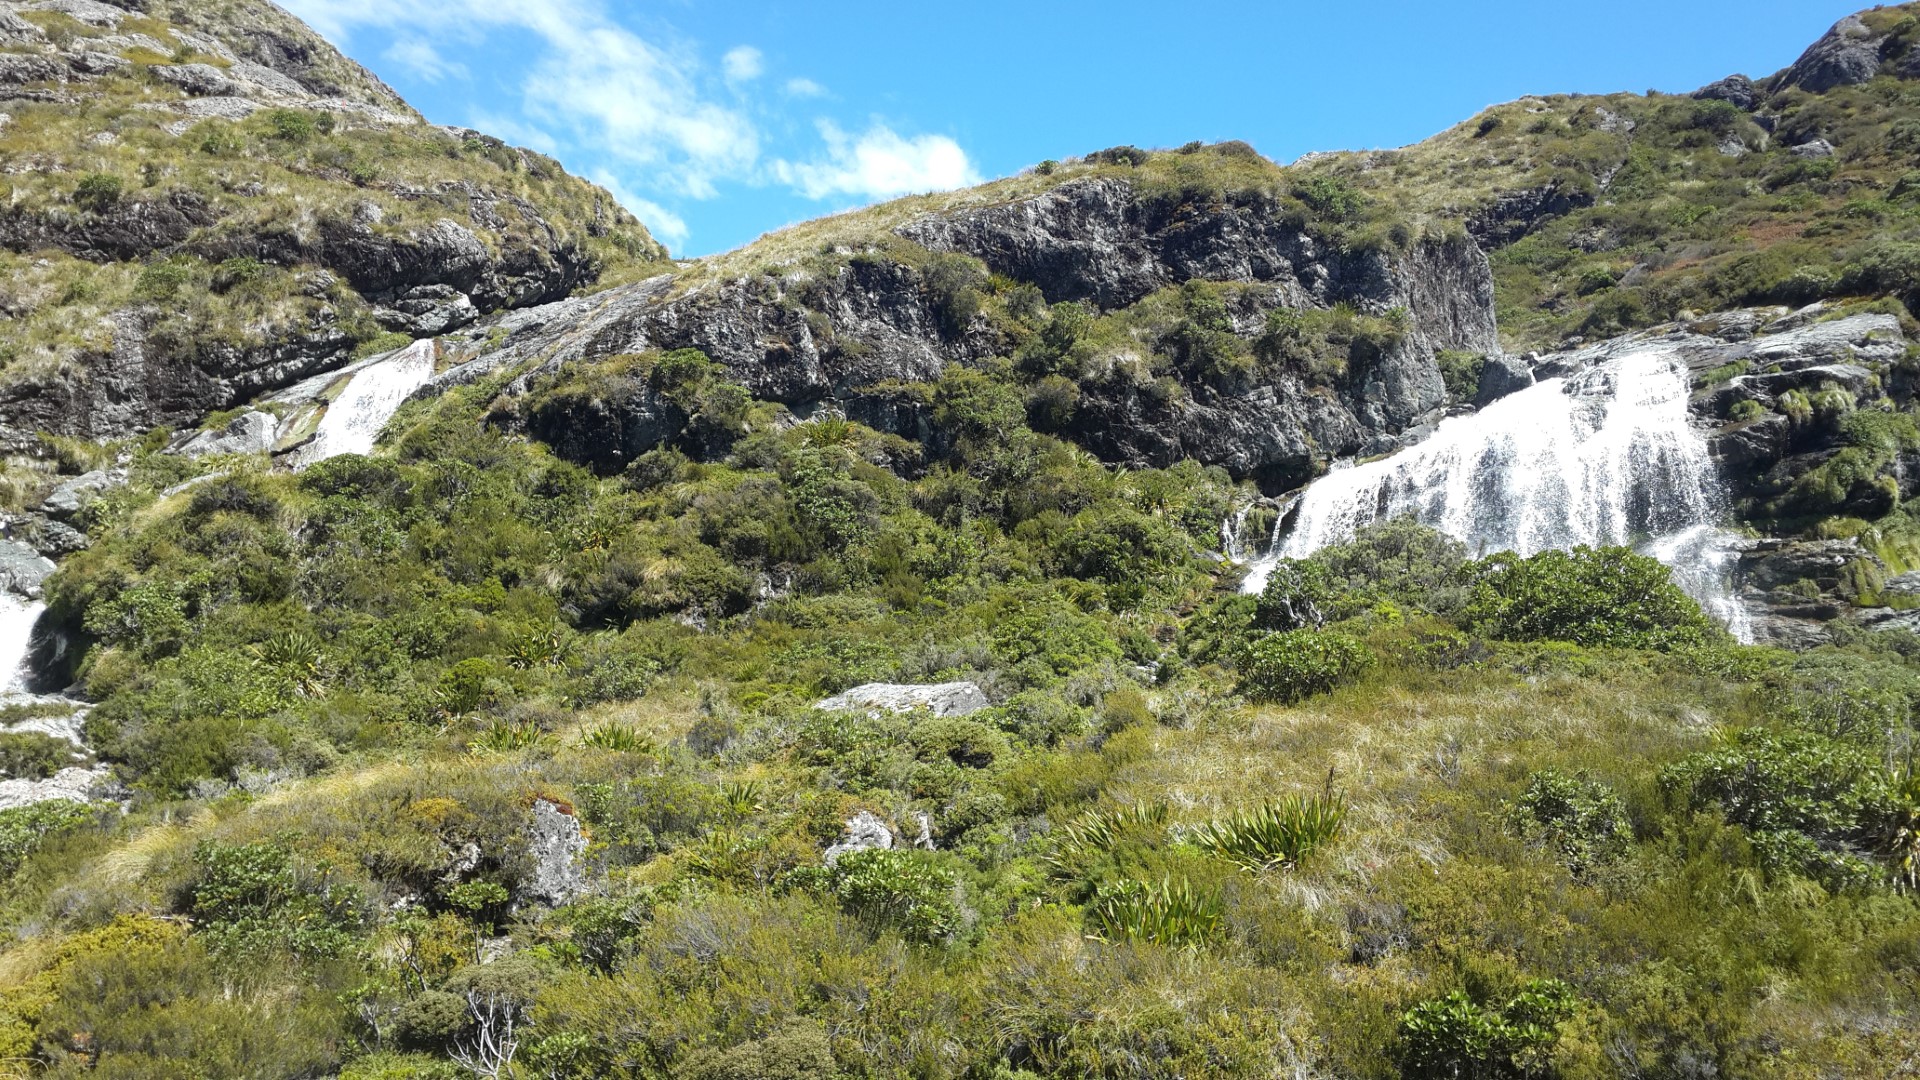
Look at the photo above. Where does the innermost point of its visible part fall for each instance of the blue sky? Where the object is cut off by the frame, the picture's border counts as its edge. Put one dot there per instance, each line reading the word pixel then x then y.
pixel 715 122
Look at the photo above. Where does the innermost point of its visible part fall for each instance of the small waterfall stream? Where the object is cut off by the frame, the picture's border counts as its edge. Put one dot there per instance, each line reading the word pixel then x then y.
pixel 17 618
pixel 353 421
pixel 1606 456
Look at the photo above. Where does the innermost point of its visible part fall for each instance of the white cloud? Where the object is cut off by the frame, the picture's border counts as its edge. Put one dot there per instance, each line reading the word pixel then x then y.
pixel 879 163
pixel 804 88
pixel 666 226
pixel 742 63
pixel 423 60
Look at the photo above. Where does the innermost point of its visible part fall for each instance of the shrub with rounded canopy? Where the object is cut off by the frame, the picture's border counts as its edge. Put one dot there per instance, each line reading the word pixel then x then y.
pixel 1606 596
pixel 1287 667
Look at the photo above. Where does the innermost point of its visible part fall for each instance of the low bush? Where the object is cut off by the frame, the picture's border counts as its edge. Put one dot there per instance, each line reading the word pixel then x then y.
pixel 1582 821
pixel 1453 1038
pixel 1287 667
pixel 1587 596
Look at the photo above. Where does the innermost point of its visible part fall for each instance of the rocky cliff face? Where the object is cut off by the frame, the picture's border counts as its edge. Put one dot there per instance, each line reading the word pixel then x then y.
pixel 855 334
pixel 240 207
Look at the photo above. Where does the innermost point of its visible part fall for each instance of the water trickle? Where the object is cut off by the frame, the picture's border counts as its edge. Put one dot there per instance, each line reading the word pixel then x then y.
pixel 1607 456
pixel 374 393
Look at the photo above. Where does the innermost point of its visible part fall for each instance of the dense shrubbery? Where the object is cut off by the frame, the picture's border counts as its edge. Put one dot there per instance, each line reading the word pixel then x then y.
pixel 1296 664
pixel 1587 596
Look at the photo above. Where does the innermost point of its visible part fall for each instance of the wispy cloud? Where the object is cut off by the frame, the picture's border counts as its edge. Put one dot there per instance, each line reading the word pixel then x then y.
pixel 423 60
pixel 879 163
pixel 666 226
pixel 742 63
pixel 670 121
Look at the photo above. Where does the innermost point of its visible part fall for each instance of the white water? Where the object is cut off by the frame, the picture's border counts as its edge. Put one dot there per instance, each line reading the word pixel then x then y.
pixel 17 617
pixel 371 397
pixel 1603 457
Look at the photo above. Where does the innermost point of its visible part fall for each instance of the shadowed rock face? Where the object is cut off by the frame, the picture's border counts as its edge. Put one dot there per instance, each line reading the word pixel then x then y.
pixel 842 337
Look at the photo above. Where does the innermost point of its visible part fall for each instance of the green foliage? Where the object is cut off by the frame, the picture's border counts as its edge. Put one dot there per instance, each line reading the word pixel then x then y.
pixel 98 192
pixel 252 900
pixel 1460 371
pixel 1297 596
pixel 1277 834
pixel 1288 667
pixel 1587 596
pixel 797 1051
pixel 1176 913
pixel 24 829
pixel 1453 1038
pixel 904 890
pixel 32 755
pixel 616 738
pixel 1581 820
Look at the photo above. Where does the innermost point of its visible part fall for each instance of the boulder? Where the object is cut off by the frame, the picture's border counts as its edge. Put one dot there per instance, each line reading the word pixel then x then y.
pixel 249 433
pixel 864 832
pixel 1735 90
pixel 73 784
pixel 555 843
pixel 1846 55
pixel 942 699
pixel 1501 375
pixel 22 569
pixel 82 491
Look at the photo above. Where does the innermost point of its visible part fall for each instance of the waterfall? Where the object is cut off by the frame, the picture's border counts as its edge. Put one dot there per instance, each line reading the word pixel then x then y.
pixel 17 617
pixel 372 395
pixel 1607 456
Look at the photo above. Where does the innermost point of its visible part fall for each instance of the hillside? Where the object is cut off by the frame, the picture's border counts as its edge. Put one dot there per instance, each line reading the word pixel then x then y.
pixel 207 202
pixel 993 635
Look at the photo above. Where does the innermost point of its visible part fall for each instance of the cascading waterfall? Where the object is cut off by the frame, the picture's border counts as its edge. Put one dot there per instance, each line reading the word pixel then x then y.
pixel 354 419
pixel 17 619
pixel 1607 456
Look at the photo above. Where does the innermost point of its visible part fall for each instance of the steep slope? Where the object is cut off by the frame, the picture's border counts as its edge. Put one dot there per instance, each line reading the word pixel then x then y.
pixel 207 201
pixel 1197 304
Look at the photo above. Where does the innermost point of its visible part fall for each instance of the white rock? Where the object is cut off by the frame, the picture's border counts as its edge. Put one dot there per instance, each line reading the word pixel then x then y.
pixel 248 433
pixel 864 832
pixel 556 842
pixel 943 699
pixel 73 785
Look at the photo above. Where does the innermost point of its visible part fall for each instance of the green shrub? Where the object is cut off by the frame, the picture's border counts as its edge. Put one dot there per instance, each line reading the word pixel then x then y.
pixel 1583 821
pixel 904 890
pixel 1452 1038
pixel 32 755
pixel 1588 596
pixel 251 900
pixel 1276 835
pixel 1460 371
pixel 23 829
pixel 1746 411
pixel 98 192
pixel 1288 667
pixel 1297 596
pixel 796 1051
pixel 163 280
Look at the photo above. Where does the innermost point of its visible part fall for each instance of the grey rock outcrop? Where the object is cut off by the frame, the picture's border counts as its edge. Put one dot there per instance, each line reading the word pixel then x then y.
pixel 1735 90
pixel 848 334
pixel 1500 375
pixel 942 699
pixel 555 844
pixel 251 432
pixel 1846 55
pixel 22 569
pixel 74 784
pixel 864 832
pixel 82 491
